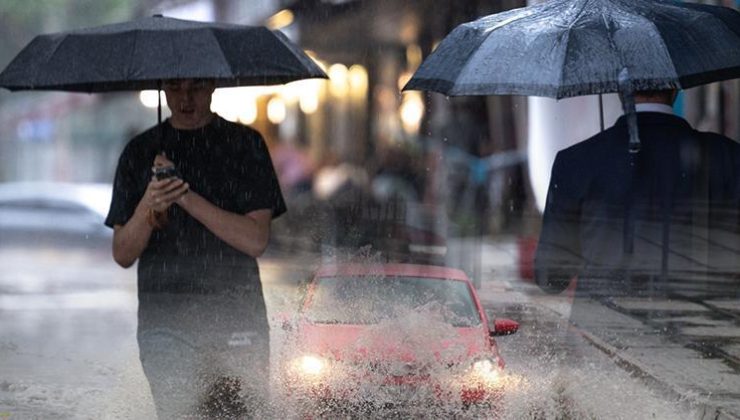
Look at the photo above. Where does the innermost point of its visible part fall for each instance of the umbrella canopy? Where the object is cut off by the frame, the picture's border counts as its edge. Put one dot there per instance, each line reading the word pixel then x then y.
pixel 566 48
pixel 139 54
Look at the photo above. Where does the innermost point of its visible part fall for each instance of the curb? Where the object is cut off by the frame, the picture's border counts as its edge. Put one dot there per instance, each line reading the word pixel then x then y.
pixel 622 359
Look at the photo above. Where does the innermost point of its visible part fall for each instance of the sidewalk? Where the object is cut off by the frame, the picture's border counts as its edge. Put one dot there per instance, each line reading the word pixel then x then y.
pixel 692 351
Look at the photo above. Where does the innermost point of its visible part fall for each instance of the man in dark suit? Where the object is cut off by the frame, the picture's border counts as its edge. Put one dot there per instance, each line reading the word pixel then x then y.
pixel 659 222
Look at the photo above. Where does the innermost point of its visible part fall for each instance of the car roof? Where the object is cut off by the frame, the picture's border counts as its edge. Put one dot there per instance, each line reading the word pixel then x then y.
pixel 392 269
pixel 95 196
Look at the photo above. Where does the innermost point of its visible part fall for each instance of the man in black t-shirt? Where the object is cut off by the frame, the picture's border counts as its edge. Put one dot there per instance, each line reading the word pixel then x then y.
pixel 203 332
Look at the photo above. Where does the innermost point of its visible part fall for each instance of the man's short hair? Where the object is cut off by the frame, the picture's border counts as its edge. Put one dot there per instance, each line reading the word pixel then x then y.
pixel 662 95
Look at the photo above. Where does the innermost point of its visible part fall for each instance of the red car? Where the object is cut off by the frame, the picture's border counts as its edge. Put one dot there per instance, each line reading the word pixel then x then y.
pixel 380 336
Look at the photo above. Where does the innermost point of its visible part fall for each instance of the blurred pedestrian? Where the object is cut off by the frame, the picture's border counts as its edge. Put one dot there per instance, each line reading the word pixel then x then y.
pixel 661 222
pixel 293 167
pixel 203 332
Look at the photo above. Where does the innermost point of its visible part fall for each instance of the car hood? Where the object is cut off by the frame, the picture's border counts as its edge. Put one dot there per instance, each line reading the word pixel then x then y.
pixel 357 343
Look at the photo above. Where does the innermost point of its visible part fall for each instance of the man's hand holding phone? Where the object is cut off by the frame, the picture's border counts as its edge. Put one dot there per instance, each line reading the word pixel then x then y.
pixel 165 188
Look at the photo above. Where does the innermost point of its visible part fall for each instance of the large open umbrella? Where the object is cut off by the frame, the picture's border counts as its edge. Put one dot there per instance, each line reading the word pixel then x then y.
pixel 141 53
pixel 565 48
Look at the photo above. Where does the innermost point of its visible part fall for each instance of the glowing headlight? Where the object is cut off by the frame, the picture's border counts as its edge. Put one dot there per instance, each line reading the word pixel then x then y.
pixel 311 365
pixel 486 369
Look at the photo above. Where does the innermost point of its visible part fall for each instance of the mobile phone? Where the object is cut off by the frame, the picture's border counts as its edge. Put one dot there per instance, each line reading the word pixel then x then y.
pixel 166 172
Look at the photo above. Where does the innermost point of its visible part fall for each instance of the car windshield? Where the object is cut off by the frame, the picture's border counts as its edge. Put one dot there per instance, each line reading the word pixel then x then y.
pixel 372 299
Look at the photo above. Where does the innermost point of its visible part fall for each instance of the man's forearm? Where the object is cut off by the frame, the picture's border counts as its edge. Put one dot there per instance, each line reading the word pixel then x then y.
pixel 130 240
pixel 249 233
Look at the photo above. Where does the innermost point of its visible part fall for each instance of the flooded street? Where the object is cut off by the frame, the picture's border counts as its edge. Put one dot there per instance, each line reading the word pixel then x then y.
pixel 68 348
pixel 520 209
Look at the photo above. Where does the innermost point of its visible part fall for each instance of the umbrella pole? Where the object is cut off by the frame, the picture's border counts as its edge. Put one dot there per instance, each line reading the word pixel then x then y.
pixel 601 112
pixel 159 117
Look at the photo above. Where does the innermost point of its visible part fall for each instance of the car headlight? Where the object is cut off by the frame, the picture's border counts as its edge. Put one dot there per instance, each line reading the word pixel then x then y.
pixel 310 365
pixel 486 370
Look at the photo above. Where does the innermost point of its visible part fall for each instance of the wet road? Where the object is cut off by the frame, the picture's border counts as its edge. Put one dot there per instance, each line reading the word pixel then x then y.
pixel 68 347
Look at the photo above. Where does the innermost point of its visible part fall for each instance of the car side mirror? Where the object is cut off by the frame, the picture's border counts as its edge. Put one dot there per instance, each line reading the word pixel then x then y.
pixel 504 326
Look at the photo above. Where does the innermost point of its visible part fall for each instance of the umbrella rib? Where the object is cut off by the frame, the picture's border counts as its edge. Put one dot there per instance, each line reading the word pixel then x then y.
pixel 131 55
pixel 610 37
pixel 48 57
pixel 565 57
pixel 295 53
pixel 663 44
pixel 567 44
pixel 488 32
pixel 212 34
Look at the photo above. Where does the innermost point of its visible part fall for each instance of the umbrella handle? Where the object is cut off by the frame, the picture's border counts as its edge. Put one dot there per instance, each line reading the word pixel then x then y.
pixel 626 94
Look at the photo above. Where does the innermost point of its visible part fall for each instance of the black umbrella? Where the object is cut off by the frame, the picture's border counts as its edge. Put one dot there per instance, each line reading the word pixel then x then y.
pixel 566 48
pixel 139 54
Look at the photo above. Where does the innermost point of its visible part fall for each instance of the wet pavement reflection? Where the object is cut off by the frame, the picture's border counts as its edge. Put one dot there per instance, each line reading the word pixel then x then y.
pixel 68 347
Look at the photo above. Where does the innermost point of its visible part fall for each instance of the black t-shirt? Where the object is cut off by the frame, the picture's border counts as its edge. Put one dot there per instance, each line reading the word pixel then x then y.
pixel 229 165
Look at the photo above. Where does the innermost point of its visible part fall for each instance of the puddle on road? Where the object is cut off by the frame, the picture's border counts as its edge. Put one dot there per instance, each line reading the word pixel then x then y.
pixel 588 392
pixel 538 394
pixel 538 386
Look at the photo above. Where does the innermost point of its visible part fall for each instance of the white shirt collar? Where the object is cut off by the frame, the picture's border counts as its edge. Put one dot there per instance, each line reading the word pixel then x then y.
pixel 654 107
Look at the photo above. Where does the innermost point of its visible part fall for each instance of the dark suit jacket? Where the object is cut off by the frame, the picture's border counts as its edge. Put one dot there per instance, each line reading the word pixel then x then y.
pixel 664 219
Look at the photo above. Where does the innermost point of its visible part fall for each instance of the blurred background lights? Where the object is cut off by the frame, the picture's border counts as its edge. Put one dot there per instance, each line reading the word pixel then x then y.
pixel 231 103
pixel 248 112
pixel 338 78
pixel 413 56
pixel 412 109
pixel 148 98
pixel 280 19
pixel 404 78
pixel 358 80
pixel 276 110
pixel 241 104
pixel 290 93
pixel 309 92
